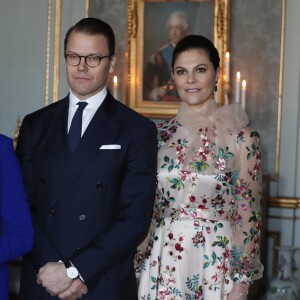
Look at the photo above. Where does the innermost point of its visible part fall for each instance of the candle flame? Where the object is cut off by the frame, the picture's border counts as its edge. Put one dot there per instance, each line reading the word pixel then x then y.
pixel 227 55
pixel 238 75
pixel 244 84
pixel 115 80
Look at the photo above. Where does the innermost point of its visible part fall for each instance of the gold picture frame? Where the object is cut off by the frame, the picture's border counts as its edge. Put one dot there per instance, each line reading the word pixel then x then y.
pixel 146 23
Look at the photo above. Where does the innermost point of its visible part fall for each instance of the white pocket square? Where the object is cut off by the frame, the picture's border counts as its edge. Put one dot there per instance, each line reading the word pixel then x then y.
pixel 110 147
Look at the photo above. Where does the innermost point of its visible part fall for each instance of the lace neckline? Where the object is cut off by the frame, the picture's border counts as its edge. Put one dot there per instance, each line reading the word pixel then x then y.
pixel 230 117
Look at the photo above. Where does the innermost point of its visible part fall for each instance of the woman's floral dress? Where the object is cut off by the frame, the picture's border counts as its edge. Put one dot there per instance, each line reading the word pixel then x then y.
pixel 206 223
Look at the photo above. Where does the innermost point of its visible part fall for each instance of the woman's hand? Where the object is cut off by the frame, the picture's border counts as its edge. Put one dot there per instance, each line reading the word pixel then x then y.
pixel 238 292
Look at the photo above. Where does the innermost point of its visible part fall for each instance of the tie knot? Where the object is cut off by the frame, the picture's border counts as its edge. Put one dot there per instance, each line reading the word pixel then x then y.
pixel 81 105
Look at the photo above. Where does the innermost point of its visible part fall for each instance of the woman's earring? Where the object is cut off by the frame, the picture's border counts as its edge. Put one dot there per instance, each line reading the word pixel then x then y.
pixel 216 86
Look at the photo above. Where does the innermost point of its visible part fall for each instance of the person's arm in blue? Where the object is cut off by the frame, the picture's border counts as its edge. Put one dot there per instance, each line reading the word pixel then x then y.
pixel 16 232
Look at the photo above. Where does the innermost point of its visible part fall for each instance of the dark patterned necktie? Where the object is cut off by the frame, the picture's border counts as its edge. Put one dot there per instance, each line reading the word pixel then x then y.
pixel 75 128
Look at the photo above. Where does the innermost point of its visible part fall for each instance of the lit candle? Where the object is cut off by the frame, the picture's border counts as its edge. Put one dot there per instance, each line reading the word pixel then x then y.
pixel 238 87
pixel 115 87
pixel 227 67
pixel 244 93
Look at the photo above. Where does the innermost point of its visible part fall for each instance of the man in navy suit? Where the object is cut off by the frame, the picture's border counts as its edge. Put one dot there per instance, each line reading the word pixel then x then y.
pixel 91 199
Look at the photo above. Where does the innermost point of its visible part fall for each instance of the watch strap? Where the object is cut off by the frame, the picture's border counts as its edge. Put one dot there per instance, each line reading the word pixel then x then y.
pixel 67 264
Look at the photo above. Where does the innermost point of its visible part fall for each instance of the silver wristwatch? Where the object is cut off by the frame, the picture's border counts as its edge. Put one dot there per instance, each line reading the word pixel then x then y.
pixel 72 272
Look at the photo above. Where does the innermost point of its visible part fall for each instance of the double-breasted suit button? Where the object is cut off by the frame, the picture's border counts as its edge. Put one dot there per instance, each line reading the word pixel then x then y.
pixel 99 185
pixel 42 179
pixel 35 269
pixel 51 212
pixel 102 274
pixel 82 217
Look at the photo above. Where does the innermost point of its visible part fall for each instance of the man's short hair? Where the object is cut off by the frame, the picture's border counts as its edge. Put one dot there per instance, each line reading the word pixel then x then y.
pixel 93 26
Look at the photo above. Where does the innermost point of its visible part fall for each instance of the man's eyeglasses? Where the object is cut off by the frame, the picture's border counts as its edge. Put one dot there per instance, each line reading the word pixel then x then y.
pixel 92 61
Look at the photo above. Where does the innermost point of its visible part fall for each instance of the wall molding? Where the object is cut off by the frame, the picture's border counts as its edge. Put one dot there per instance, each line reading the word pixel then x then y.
pixel 284 202
pixel 56 50
pixel 280 86
pixel 87 7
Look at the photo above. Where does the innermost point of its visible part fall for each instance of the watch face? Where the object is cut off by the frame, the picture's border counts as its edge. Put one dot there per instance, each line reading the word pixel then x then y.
pixel 72 272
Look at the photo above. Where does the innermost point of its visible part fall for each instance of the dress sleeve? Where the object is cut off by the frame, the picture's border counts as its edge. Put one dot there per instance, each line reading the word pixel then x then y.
pixel 16 232
pixel 246 217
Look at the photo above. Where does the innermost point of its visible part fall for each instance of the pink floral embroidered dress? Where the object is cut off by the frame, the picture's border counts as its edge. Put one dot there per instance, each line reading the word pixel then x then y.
pixel 206 224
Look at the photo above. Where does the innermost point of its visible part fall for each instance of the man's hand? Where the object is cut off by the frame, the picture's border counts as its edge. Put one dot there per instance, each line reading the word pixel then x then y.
pixel 75 291
pixel 53 277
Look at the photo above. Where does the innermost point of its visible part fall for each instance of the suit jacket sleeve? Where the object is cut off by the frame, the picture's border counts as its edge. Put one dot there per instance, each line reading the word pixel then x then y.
pixel 133 213
pixel 16 234
pixel 43 251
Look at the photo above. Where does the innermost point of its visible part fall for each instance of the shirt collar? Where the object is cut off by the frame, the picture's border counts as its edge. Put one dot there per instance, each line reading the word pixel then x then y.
pixel 93 102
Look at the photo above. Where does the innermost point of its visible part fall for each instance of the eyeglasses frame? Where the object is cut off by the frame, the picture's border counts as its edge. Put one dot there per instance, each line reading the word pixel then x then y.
pixel 85 57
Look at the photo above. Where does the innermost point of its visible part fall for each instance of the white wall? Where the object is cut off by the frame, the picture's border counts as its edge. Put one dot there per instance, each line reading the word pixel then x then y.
pixel 283 220
pixel 289 180
pixel 22 61
pixel 23 32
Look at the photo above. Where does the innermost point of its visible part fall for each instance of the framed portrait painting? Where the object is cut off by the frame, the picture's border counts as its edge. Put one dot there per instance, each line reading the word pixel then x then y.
pixel 154 28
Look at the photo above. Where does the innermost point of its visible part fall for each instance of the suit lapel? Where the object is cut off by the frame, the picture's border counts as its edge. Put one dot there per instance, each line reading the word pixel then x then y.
pixel 103 128
pixel 57 135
